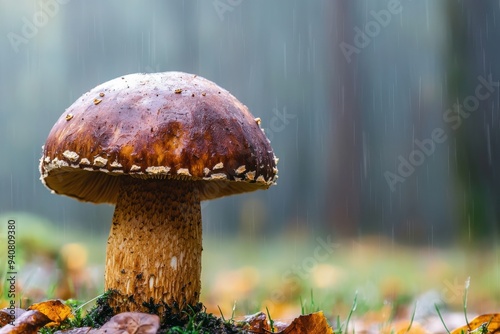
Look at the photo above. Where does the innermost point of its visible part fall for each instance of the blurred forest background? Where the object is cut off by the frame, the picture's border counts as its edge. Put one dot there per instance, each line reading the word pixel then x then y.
pixel 346 91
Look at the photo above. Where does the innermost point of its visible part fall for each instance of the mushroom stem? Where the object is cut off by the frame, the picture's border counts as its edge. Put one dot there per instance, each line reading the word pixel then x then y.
pixel 154 247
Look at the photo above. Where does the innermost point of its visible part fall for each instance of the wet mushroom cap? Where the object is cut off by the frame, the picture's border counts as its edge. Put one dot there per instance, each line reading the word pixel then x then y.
pixel 169 125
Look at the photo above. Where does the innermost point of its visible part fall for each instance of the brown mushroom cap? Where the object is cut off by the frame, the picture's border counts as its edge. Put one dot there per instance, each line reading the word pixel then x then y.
pixel 158 125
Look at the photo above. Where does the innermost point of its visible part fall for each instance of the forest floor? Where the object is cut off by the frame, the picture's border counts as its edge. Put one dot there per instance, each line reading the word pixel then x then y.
pixel 374 283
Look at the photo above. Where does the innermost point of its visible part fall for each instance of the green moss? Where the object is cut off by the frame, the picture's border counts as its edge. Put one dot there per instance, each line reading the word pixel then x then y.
pixel 191 320
pixel 100 313
pixel 198 321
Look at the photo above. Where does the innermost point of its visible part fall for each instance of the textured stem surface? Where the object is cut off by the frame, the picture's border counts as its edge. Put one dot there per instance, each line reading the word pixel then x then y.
pixel 154 248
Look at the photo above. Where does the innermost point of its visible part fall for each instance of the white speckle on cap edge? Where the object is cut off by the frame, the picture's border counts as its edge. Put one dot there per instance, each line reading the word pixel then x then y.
pixel 56 163
pixel 158 170
pixel 71 156
pixel 85 161
pixel 216 176
pixel 100 162
pixel 116 164
pixel 183 171
pixel 135 168
pixel 240 169
pixel 219 166
pixel 250 176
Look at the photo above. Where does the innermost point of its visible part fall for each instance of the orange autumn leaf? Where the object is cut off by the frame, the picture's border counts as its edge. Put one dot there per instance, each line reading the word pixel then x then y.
pixel 311 323
pixel 55 310
pixel 486 323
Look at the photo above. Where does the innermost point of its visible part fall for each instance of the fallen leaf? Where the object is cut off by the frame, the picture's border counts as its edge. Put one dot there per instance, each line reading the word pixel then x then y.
pixel 311 323
pixel 5 315
pixel 10 329
pixel 131 323
pixel 82 330
pixel 258 323
pixel 279 326
pixel 490 323
pixel 28 323
pixel 55 310
pixel 4 318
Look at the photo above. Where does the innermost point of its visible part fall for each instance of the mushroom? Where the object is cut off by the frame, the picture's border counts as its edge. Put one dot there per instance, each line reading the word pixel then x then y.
pixel 156 145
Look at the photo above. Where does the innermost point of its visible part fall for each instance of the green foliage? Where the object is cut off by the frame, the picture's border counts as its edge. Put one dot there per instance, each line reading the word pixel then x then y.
pixel 200 322
pixel 100 313
pixel 95 318
pixel 194 320
pixel 231 320
pixel 339 326
pixel 308 309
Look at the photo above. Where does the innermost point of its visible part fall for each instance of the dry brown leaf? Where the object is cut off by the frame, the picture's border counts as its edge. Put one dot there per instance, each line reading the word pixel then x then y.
pixel 82 330
pixel 280 326
pixel 475 325
pixel 7 329
pixel 131 323
pixel 311 323
pixel 258 323
pixel 5 317
pixel 28 323
pixel 55 310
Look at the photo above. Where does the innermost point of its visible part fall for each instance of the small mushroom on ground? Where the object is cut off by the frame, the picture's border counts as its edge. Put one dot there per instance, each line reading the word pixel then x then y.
pixel 152 152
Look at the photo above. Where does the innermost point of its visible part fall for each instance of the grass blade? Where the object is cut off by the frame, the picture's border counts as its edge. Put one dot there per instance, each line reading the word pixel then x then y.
pixel 221 315
pixel 412 318
pixel 353 308
pixel 271 321
pixel 441 317
pixel 466 292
